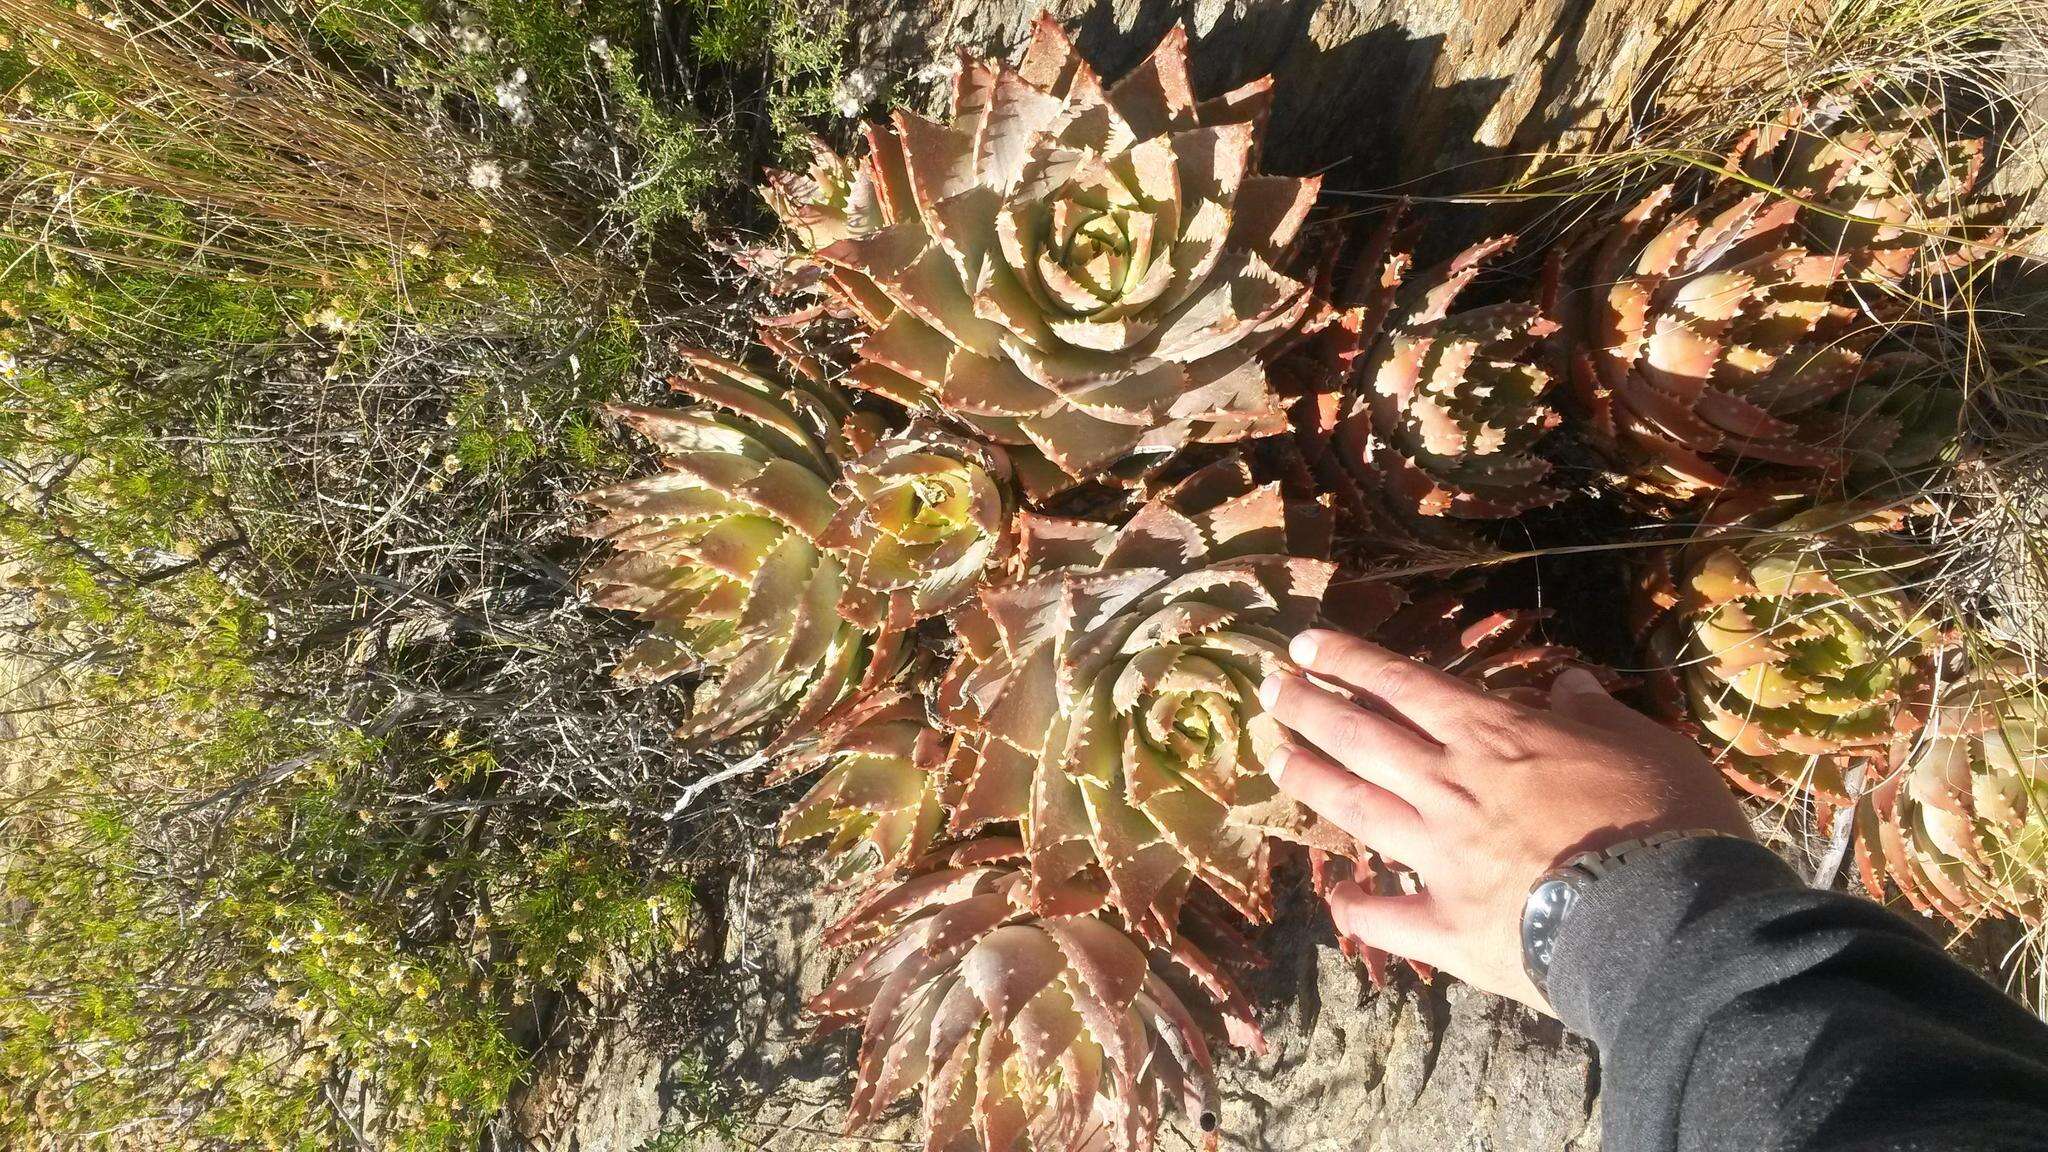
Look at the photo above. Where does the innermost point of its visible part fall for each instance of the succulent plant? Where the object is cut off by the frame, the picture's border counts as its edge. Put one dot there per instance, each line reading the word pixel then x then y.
pixel 1708 335
pixel 1410 412
pixel 834 199
pixel 1090 271
pixel 1892 184
pixel 1960 822
pixel 1791 642
pixel 878 796
pixel 922 517
pixel 1902 418
pixel 1031 1021
pixel 1106 695
pixel 720 554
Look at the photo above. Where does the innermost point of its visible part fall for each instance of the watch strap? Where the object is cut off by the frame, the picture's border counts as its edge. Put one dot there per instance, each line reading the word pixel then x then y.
pixel 1599 863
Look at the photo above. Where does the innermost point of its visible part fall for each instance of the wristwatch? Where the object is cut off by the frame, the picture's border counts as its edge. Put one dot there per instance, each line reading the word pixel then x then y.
pixel 1553 896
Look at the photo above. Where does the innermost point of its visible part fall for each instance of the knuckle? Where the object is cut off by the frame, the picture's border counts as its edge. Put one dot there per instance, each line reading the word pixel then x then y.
pixel 1351 730
pixel 1387 679
pixel 1355 811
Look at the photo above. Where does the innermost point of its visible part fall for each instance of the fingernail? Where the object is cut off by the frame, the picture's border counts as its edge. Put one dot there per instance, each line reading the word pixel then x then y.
pixel 1277 762
pixel 1269 691
pixel 1303 648
pixel 1579 682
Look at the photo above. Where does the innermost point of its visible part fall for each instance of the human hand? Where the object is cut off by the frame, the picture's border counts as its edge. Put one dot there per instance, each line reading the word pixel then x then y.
pixel 1478 795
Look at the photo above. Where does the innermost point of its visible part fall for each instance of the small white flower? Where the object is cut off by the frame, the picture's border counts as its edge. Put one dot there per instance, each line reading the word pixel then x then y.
pixel 856 90
pixel 939 73
pixel 471 40
pixel 512 94
pixel 486 175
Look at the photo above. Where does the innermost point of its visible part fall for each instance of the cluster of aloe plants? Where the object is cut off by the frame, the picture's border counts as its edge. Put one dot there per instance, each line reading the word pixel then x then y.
pixel 1120 417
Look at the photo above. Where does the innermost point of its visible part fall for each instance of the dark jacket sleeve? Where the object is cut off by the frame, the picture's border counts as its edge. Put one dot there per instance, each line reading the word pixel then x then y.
pixel 1735 1008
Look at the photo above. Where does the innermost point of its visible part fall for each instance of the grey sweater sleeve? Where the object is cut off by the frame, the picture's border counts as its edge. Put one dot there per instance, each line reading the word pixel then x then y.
pixel 1735 1008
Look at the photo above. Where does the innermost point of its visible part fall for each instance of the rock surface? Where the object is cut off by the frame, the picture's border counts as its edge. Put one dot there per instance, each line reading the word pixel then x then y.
pixel 1423 97
pixel 1442 1069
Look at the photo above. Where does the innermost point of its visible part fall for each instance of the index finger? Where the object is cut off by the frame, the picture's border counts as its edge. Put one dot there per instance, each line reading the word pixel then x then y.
pixel 1435 702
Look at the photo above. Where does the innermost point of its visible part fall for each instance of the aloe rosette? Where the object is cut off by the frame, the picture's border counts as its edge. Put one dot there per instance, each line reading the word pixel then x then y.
pixel 1959 824
pixel 1088 271
pixel 1710 335
pixel 923 516
pixel 1704 336
pixel 1791 642
pixel 835 198
pixel 1031 1020
pixel 878 794
pixel 1106 695
pixel 720 552
pixel 1415 415
pixel 830 199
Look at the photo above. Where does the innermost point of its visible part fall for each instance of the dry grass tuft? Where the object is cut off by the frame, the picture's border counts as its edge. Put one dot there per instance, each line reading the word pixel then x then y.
pixel 287 157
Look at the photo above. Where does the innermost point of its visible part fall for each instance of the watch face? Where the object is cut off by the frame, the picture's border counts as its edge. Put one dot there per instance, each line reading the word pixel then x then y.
pixel 1548 902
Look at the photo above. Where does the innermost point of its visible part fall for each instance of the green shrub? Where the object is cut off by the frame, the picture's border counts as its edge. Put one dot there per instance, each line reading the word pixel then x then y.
pixel 289 408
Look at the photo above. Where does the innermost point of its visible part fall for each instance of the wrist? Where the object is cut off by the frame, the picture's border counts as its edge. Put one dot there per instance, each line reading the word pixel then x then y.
pixel 1556 894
